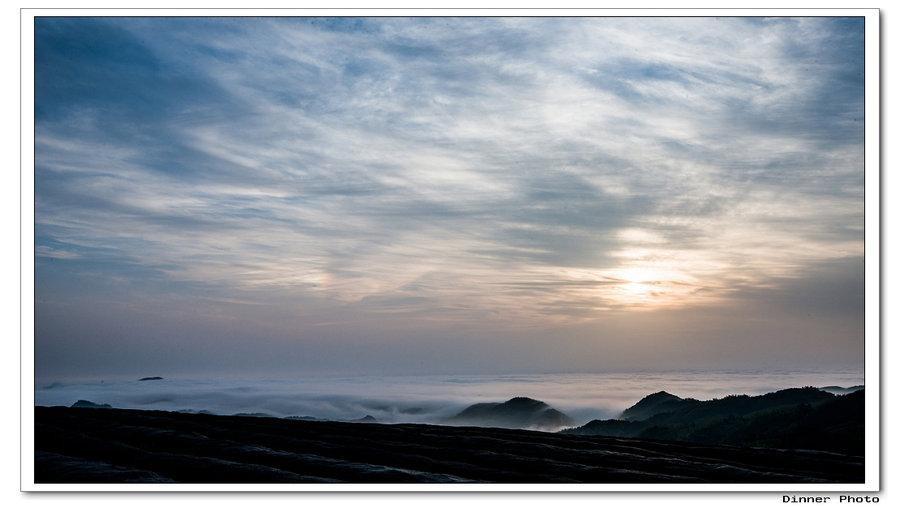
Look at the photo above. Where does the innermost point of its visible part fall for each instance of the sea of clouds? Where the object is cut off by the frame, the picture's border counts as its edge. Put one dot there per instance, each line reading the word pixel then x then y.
pixel 423 399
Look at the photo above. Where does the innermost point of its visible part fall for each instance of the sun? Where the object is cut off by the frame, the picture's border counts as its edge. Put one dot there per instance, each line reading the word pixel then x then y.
pixel 636 285
pixel 636 279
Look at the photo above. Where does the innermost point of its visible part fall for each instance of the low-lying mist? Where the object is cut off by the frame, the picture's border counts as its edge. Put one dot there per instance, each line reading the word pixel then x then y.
pixel 422 399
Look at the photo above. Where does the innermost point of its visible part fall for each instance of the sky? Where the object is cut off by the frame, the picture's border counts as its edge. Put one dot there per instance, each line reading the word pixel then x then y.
pixel 293 196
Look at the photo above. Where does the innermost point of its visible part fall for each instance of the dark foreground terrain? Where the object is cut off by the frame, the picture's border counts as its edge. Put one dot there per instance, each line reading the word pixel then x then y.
pixel 88 445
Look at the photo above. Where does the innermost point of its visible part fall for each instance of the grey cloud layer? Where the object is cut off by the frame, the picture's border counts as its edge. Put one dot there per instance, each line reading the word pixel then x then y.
pixel 415 164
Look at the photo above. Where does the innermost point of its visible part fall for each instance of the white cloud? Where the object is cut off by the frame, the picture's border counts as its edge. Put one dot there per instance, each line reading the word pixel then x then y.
pixel 504 163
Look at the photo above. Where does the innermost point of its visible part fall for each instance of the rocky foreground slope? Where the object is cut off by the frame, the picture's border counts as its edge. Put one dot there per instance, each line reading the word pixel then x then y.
pixel 85 445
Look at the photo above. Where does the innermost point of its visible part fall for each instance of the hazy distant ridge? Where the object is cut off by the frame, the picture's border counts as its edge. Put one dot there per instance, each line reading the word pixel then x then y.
pixel 518 412
pixel 840 390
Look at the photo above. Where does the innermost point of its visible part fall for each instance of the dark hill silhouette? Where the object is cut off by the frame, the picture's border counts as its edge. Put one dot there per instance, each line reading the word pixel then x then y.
pixel 89 404
pixel 516 413
pixel 794 418
pixel 655 403
pixel 670 409
pixel 837 425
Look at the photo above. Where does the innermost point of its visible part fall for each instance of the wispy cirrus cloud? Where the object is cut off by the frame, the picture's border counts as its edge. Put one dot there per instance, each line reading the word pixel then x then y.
pixel 548 168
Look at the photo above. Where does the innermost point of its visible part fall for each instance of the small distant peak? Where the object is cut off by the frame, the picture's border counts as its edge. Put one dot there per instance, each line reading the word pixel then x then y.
pixel 661 395
pixel 255 415
pixel 523 401
pixel 650 405
pixel 517 412
pixel 657 398
pixel 87 403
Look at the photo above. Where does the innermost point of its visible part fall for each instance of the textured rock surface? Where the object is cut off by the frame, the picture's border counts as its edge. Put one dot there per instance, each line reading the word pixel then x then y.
pixel 84 445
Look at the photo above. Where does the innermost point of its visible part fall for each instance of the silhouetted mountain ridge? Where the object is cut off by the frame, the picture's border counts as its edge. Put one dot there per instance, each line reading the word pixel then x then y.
pixel 666 408
pixel 518 412
pixel 659 402
pixel 90 404
pixel 793 418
